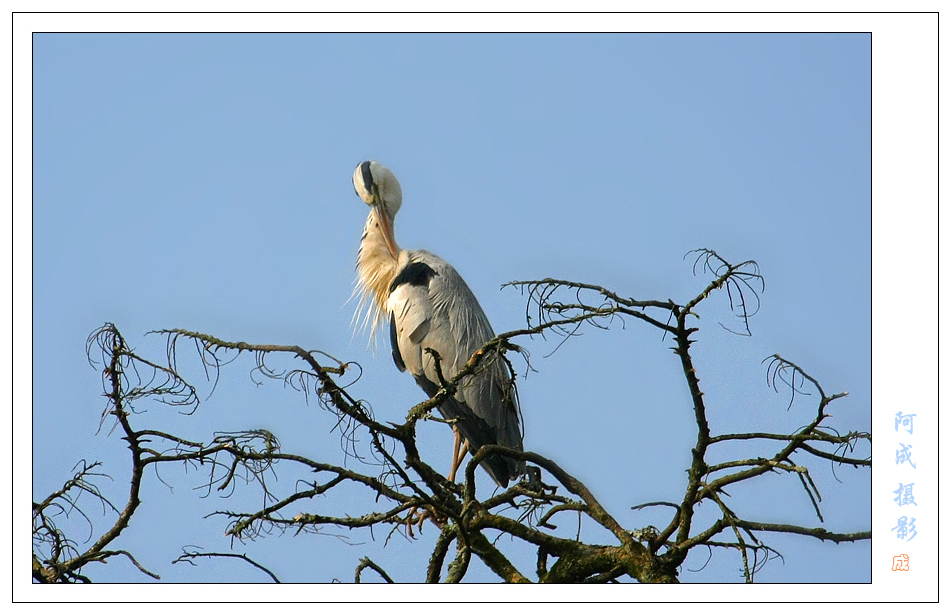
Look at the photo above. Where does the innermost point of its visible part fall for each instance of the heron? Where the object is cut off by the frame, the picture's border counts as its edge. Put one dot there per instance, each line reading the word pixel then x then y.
pixel 428 305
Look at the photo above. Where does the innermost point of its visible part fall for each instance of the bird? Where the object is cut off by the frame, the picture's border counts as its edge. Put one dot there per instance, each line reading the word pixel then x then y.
pixel 427 305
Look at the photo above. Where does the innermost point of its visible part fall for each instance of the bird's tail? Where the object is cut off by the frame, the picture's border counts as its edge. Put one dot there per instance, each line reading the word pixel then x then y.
pixel 502 469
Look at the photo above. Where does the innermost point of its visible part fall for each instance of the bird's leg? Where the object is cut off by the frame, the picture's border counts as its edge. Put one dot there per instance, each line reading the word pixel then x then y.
pixel 459 450
pixel 456 443
pixel 416 516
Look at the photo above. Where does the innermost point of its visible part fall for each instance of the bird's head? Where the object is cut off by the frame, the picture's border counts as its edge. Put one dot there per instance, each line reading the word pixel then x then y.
pixel 378 187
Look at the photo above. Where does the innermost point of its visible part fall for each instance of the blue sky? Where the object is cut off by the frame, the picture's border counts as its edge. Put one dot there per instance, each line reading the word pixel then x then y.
pixel 203 182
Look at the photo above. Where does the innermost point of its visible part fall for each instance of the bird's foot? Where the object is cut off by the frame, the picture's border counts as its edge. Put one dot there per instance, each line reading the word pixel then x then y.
pixel 417 517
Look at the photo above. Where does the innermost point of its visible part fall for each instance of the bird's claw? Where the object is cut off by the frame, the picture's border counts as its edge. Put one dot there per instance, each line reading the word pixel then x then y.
pixel 418 517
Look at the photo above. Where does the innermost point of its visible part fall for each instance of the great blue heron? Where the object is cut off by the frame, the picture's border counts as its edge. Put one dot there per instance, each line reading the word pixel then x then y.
pixel 428 305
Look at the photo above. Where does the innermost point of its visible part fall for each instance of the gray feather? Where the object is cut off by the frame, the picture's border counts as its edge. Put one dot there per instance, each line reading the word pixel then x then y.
pixel 431 306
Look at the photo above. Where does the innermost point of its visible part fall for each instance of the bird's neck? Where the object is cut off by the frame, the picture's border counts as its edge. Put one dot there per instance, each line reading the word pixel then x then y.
pixel 376 269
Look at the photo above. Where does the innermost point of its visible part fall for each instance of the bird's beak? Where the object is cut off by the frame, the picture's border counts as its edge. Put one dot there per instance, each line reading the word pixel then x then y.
pixel 386 225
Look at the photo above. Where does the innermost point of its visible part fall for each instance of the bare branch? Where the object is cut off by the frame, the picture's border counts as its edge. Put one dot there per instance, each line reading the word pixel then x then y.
pixel 188 556
pixel 366 562
pixel 403 482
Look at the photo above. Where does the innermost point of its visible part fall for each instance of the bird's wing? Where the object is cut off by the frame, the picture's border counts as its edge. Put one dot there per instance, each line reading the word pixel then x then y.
pixel 411 313
pixel 431 306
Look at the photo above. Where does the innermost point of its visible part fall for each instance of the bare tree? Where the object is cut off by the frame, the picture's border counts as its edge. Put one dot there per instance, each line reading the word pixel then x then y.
pixel 402 482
